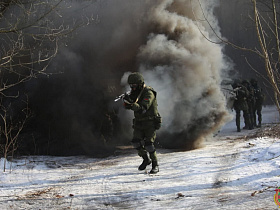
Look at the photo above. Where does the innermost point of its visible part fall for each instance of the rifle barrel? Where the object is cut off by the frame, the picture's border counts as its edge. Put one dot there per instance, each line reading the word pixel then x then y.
pixel 122 95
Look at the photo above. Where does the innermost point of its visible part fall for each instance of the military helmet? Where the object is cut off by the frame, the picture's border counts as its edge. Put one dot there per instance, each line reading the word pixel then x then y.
pixel 135 78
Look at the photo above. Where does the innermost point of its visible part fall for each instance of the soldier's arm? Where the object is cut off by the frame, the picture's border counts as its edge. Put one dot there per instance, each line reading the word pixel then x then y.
pixel 145 103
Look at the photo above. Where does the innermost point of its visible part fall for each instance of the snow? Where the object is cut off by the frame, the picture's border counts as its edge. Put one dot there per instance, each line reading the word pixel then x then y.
pixel 231 171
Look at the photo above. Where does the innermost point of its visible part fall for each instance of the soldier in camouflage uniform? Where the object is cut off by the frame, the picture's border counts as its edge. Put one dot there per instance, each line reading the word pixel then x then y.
pixel 142 100
pixel 251 104
pixel 259 98
pixel 240 103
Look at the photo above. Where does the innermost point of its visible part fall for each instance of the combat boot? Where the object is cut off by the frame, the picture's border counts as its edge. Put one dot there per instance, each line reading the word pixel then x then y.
pixel 146 161
pixel 155 168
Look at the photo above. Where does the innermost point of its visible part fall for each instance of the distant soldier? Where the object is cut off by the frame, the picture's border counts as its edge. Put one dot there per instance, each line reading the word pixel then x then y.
pixel 240 103
pixel 142 100
pixel 251 104
pixel 259 98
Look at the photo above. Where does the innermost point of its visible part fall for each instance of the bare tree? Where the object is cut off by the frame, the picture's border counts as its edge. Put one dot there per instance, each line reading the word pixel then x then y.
pixel 265 19
pixel 30 35
pixel 267 27
pixel 10 129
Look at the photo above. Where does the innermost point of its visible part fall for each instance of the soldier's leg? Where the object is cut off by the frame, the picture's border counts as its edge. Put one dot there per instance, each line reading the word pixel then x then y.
pixel 137 140
pixel 254 116
pixel 245 121
pixel 237 119
pixel 247 118
pixel 150 134
pixel 136 143
pixel 251 113
pixel 259 113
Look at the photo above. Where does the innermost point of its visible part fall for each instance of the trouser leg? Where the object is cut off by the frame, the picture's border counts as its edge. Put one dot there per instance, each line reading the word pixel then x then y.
pixel 142 152
pixel 259 113
pixel 247 119
pixel 149 146
pixel 254 118
pixel 259 117
pixel 155 167
pixel 245 116
pixel 148 134
pixel 237 120
pixel 136 143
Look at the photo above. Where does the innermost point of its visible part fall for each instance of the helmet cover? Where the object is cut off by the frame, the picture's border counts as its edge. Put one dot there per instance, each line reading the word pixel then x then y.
pixel 135 78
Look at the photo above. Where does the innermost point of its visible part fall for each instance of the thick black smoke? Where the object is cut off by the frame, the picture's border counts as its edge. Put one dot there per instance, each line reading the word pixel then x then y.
pixel 186 70
pixel 74 111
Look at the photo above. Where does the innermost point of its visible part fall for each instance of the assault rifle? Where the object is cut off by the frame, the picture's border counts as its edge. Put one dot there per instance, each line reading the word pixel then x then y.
pixel 122 96
pixel 233 92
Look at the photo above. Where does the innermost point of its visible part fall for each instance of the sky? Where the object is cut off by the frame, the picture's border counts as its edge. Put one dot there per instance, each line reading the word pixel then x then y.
pixel 231 171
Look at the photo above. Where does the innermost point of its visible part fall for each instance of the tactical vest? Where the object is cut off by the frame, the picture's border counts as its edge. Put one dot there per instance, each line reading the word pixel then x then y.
pixel 152 111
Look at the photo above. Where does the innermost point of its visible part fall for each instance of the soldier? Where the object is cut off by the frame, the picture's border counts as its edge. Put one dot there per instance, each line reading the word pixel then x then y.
pixel 251 104
pixel 142 100
pixel 259 98
pixel 240 103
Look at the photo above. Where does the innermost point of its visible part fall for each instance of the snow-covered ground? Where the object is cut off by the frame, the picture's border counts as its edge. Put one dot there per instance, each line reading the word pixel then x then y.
pixel 231 171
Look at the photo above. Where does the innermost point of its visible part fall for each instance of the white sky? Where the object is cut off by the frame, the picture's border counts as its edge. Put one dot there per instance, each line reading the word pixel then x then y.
pixel 229 172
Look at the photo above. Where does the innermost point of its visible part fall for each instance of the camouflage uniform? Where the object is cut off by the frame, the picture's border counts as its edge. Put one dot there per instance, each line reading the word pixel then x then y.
pixel 143 102
pixel 259 98
pixel 251 104
pixel 240 104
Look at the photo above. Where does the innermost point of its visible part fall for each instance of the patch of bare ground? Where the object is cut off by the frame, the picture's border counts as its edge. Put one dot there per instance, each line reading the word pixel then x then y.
pixel 269 130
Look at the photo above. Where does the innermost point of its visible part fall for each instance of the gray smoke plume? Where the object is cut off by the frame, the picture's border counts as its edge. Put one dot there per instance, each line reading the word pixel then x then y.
pixel 161 39
pixel 185 68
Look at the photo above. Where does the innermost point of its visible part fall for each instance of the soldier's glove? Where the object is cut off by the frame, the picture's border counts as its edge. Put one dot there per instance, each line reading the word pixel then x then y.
pixel 128 102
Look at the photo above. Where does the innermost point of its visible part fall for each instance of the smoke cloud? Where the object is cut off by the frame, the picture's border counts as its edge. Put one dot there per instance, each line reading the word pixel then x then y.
pixel 186 70
pixel 162 39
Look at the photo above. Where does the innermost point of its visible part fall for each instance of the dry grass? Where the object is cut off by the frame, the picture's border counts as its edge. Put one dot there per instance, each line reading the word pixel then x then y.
pixel 271 131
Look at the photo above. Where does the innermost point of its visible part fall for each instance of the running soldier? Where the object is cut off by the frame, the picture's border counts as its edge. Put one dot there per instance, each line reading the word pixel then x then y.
pixel 142 100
